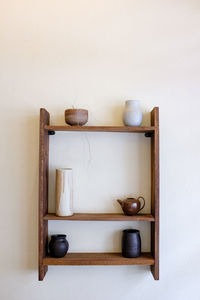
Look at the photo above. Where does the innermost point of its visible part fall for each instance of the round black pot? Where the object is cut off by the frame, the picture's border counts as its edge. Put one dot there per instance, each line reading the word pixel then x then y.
pixel 131 243
pixel 58 245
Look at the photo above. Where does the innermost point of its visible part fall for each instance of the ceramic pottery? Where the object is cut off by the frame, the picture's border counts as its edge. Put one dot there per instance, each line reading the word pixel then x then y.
pixel 58 245
pixel 131 243
pixel 76 117
pixel 132 115
pixel 64 192
pixel 131 206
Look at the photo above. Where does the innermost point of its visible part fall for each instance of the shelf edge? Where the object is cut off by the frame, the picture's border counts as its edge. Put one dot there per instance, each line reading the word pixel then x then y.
pixel 136 129
pixel 98 259
pixel 100 217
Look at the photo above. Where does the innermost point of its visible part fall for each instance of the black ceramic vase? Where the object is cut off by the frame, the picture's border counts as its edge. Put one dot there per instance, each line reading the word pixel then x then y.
pixel 131 243
pixel 58 245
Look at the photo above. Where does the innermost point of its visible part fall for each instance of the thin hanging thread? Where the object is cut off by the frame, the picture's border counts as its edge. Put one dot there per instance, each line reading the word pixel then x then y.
pixel 89 150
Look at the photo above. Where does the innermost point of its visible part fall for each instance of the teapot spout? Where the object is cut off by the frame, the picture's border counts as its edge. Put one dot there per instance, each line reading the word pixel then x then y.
pixel 120 201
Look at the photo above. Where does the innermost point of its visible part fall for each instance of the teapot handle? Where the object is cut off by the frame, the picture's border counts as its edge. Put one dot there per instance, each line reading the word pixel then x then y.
pixel 143 202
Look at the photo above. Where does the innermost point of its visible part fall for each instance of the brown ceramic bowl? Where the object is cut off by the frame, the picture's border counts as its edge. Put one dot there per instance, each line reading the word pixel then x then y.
pixel 76 117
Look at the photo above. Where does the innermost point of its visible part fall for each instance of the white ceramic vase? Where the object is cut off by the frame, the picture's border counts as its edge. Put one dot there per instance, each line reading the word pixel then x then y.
pixel 64 192
pixel 132 115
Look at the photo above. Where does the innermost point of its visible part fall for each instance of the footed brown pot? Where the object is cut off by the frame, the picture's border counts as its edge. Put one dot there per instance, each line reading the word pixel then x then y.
pixel 58 245
pixel 131 206
pixel 76 117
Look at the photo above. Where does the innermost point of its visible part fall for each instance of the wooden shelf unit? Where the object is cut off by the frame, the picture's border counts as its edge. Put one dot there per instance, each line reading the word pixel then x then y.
pixel 151 258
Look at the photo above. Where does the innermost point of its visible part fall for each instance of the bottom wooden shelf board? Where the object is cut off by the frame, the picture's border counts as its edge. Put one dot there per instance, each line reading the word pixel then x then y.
pixel 78 259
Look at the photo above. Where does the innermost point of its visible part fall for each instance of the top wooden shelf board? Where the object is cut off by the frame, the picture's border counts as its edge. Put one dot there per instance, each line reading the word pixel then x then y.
pixel 137 129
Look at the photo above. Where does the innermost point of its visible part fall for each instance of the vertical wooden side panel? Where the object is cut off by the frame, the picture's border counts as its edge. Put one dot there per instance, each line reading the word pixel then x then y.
pixel 155 192
pixel 43 190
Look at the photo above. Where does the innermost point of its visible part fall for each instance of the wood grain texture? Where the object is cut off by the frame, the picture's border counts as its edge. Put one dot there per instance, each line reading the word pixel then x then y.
pixel 101 217
pixel 43 190
pixel 155 191
pixel 81 259
pixel 137 129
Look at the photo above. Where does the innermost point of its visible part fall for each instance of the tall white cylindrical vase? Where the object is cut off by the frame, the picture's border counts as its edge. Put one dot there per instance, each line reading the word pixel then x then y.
pixel 132 115
pixel 64 192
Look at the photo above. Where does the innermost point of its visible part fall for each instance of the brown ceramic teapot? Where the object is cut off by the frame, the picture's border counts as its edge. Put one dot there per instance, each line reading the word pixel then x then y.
pixel 131 206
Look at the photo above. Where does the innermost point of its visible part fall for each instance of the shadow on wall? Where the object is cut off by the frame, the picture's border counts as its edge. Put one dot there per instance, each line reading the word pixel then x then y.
pixel 29 202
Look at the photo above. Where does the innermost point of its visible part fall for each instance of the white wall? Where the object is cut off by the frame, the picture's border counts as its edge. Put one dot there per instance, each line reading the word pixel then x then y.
pixel 96 54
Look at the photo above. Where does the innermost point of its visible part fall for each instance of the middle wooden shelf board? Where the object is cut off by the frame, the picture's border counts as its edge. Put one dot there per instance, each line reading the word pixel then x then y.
pixel 101 217
pixel 98 259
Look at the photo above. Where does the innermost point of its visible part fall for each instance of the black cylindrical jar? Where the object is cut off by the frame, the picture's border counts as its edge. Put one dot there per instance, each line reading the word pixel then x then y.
pixel 58 245
pixel 131 243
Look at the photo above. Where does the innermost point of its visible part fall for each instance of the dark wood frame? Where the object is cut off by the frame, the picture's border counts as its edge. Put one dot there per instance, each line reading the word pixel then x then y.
pixel 155 192
pixel 151 258
pixel 43 191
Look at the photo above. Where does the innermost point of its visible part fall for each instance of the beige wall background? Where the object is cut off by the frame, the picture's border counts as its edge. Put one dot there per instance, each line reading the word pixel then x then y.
pixel 95 55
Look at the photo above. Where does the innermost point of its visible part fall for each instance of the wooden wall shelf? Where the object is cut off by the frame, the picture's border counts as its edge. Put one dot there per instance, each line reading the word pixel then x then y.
pixel 101 128
pixel 98 259
pixel 151 258
pixel 101 217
